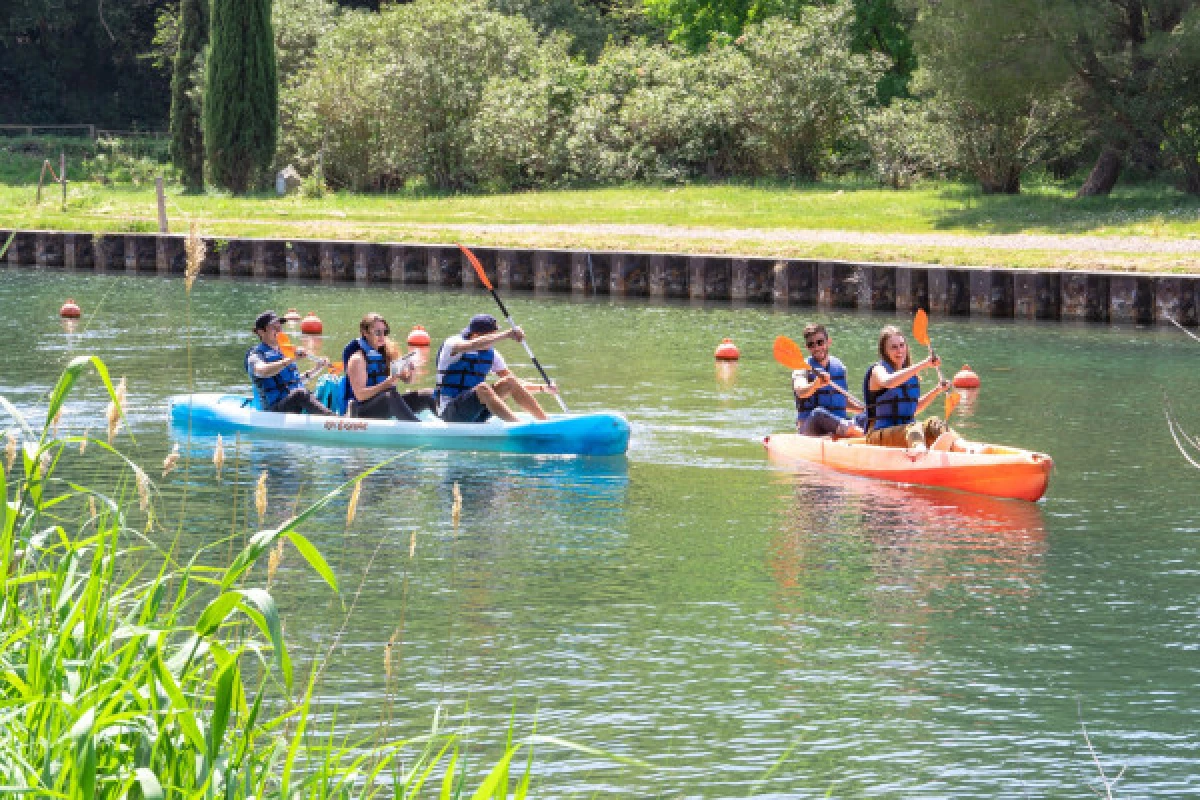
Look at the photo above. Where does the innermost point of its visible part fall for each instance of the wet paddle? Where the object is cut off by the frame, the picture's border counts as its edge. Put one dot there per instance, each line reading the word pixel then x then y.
pixel 285 345
pixel 789 354
pixel 487 284
pixel 952 401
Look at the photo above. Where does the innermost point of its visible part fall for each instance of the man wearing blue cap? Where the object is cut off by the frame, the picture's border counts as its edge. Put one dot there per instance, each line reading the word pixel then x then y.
pixel 463 363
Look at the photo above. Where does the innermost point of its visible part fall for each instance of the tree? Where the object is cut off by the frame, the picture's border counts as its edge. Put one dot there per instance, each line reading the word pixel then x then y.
pixel 187 132
pixel 996 81
pixel 1125 53
pixel 240 93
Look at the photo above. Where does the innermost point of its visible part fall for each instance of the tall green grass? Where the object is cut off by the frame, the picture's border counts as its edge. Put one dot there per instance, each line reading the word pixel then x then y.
pixel 127 670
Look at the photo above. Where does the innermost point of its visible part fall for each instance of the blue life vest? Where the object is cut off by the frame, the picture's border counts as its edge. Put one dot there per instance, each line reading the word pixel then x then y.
pixel 377 366
pixel 826 397
pixel 270 391
pixel 890 407
pixel 470 370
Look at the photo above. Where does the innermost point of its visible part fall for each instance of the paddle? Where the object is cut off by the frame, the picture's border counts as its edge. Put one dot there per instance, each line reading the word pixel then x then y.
pixel 789 354
pixel 921 334
pixel 487 284
pixel 285 345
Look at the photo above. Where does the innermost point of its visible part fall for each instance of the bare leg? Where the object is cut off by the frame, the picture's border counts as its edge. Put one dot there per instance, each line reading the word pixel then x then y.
pixel 509 386
pixel 495 404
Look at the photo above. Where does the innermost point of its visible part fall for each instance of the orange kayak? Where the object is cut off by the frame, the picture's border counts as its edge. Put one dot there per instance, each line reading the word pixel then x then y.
pixel 992 469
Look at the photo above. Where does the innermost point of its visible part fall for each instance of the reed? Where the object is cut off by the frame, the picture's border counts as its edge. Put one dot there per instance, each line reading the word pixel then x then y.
pixel 126 671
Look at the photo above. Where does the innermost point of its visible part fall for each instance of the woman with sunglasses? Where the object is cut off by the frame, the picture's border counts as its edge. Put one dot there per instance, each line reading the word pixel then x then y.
pixel 370 383
pixel 821 392
pixel 893 396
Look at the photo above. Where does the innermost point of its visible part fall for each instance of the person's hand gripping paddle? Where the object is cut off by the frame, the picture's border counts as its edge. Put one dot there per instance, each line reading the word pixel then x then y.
pixel 487 284
pixel 921 334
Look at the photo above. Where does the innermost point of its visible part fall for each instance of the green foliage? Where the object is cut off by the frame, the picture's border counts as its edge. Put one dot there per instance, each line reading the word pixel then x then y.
pixel 240 94
pixel 1001 88
pixel 127 670
pixel 905 144
pixel 187 133
pixel 1179 79
pixel 80 61
pixel 696 23
pixel 808 90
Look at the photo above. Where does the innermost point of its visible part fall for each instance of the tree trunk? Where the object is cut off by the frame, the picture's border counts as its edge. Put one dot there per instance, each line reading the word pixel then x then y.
pixel 1104 174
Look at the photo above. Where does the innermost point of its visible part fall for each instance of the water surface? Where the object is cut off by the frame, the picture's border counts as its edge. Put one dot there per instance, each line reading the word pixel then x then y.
pixel 748 632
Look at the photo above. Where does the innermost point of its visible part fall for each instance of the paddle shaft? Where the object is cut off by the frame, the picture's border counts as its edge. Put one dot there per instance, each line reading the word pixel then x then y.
pixel 525 344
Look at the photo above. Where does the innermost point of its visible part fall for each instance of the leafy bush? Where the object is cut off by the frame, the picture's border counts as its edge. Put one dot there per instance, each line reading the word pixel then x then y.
pixel 807 90
pixel 905 144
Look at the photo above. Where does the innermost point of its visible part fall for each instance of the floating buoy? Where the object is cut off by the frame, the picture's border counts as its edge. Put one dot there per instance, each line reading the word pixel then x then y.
pixel 69 310
pixel 292 316
pixel 311 323
pixel 727 350
pixel 965 379
pixel 418 337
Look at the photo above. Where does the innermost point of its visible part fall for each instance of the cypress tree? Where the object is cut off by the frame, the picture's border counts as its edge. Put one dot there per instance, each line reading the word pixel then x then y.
pixel 187 133
pixel 240 93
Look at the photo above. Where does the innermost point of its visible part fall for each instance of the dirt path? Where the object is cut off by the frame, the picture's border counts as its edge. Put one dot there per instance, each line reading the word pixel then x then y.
pixel 1018 241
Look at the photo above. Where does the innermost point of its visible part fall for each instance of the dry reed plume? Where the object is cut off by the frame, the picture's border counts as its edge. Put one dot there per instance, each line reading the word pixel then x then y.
pixel 10 452
pixel 387 654
pixel 171 460
pixel 115 409
pixel 143 488
pixel 274 559
pixel 352 509
pixel 260 498
pixel 219 457
pixel 91 506
pixel 54 423
pixel 456 508
pixel 194 250
pixel 44 464
pixel 412 544
pixel 83 440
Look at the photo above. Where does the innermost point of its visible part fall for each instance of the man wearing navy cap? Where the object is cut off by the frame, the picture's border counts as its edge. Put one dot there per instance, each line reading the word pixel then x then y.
pixel 278 384
pixel 463 363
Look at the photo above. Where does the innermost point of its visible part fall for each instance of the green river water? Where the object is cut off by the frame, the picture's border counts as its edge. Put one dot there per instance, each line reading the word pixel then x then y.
pixel 746 632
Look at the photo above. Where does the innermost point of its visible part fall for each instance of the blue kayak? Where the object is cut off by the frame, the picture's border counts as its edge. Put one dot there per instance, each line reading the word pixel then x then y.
pixel 598 434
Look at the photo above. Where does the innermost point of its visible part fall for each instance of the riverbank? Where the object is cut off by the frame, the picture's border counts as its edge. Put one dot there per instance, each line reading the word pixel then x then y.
pixel 1141 228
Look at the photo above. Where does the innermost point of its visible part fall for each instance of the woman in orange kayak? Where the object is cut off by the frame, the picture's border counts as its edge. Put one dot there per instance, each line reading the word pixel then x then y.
pixel 892 392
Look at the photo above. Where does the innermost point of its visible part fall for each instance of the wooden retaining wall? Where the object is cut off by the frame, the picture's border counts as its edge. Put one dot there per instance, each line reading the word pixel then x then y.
pixel 958 291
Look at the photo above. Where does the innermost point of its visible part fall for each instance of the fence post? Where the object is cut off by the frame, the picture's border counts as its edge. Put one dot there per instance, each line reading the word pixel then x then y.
pixel 162 205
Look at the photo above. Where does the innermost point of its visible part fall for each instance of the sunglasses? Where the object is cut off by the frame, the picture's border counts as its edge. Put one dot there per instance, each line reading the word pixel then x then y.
pixel 814 342
pixel 897 345
pixel 383 332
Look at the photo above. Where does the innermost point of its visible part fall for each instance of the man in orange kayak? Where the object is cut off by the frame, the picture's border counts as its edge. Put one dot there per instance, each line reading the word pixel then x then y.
pixel 821 392
pixel 893 397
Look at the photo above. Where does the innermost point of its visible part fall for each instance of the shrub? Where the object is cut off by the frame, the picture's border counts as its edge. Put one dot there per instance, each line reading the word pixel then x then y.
pixel 807 90
pixel 905 144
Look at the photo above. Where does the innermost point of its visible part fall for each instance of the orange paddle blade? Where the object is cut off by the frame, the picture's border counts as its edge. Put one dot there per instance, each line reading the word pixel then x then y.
pixel 337 367
pixel 952 401
pixel 921 327
pixel 285 345
pixel 789 354
pixel 479 270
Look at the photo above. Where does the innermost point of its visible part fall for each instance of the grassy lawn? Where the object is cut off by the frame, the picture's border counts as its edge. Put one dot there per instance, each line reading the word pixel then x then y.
pixel 752 219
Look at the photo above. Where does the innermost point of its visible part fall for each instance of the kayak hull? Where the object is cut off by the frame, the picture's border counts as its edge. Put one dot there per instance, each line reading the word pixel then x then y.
pixel 598 434
pixel 996 471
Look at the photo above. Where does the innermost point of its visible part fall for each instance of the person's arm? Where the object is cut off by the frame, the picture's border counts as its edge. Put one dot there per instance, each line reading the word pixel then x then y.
pixel 268 369
pixel 487 341
pixel 356 373
pixel 931 395
pixel 882 380
pixel 803 387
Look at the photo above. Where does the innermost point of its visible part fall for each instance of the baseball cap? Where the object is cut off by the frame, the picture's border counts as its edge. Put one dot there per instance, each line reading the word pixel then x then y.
pixel 481 323
pixel 264 319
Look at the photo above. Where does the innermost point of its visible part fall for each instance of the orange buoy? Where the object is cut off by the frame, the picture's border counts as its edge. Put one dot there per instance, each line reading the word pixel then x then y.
pixel 418 337
pixel 311 323
pixel 292 315
pixel 965 379
pixel 69 310
pixel 727 350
